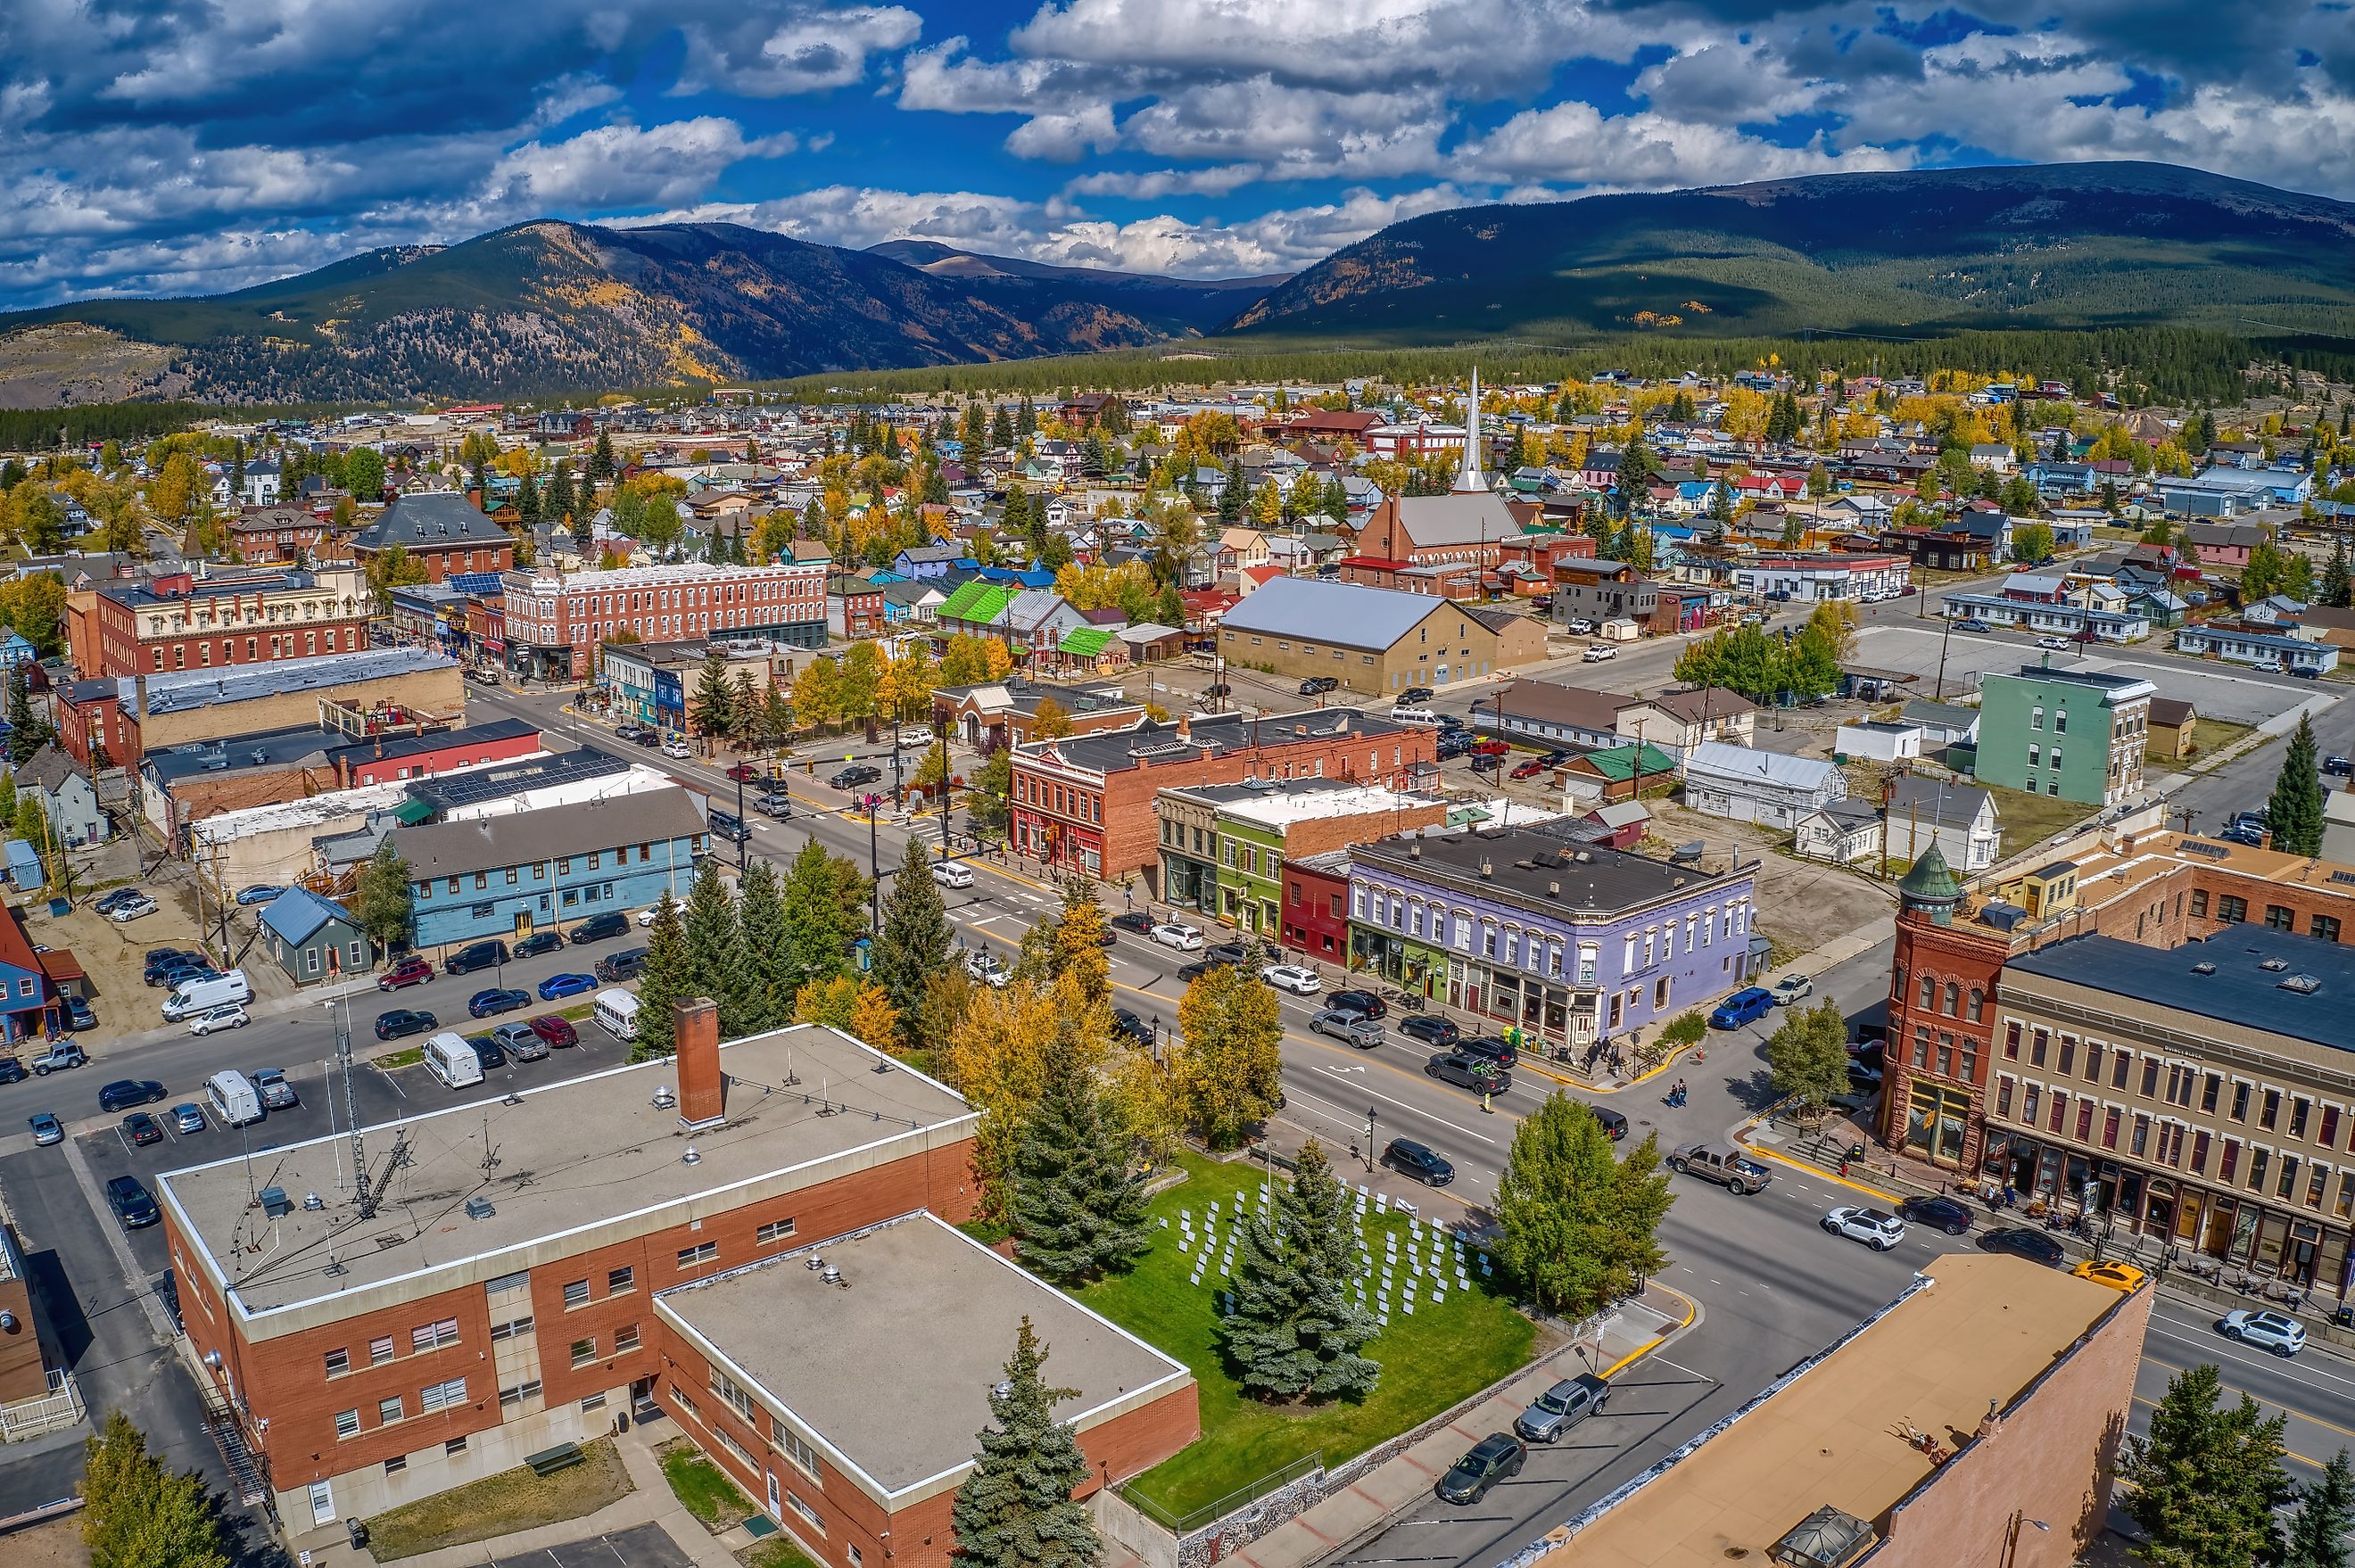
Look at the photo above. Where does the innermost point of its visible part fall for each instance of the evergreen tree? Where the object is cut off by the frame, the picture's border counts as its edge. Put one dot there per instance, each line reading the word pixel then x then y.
pixel 528 503
pixel 1079 1211
pixel 1231 496
pixel 1016 1509
pixel 1001 427
pixel 663 984
pixel 2293 814
pixel 714 949
pixel 381 897
pixel 1578 1225
pixel 2205 1483
pixel 914 942
pixel 818 925
pixel 601 459
pixel 1294 1334
pixel 712 709
pixel 2325 1517
pixel 2336 592
pixel 761 991
pixel 136 1514
pixel 26 734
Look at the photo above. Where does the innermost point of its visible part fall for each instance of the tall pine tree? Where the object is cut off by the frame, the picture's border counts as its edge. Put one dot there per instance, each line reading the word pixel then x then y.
pixel 138 1514
pixel 663 984
pixel 766 1000
pixel 2294 815
pixel 914 942
pixel 714 966
pixel 1016 1509
pixel 2205 1483
pixel 2325 1517
pixel 818 927
pixel 2338 592
pixel 1079 1211
pixel 1294 1333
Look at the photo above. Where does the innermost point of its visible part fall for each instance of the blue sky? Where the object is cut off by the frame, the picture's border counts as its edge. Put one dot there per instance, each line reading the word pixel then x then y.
pixel 175 146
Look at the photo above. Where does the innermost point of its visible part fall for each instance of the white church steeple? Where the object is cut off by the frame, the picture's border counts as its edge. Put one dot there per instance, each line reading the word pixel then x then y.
pixel 1469 480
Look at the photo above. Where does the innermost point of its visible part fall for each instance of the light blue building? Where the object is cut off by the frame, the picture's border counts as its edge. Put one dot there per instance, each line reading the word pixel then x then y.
pixel 509 876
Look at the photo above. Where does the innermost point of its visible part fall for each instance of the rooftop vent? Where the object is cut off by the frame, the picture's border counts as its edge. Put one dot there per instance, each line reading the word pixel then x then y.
pixel 2273 965
pixel 274 1203
pixel 692 1155
pixel 2203 967
pixel 831 1275
pixel 1487 869
pixel 2304 985
pixel 312 1202
pixel 1553 890
pixel 480 1209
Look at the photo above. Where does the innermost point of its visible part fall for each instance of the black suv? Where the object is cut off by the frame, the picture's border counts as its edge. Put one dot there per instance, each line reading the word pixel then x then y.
pixel 855 774
pixel 1431 1029
pixel 1318 684
pixel 1414 694
pixel 1364 1002
pixel 1230 953
pixel 1943 1212
pixel 125 1093
pixel 1496 1048
pixel 600 928
pixel 476 956
pixel 1494 1458
pixel 540 942
pixel 131 1202
pixel 2021 1243
pixel 1411 1158
pixel 627 964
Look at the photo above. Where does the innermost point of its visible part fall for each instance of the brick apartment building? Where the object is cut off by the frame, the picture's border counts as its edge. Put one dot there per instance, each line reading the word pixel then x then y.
pixel 1317 906
pixel 1087 801
pixel 439 530
pixel 282 535
pixel 555 621
pixel 178 621
pixel 510 1284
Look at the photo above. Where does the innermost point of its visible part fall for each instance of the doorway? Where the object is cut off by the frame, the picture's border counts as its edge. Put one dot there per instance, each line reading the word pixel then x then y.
pixel 322 1503
pixel 523 924
pixel 776 1499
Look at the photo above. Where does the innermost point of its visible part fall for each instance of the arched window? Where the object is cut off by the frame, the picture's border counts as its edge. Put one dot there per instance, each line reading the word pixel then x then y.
pixel 1897 985
pixel 1929 993
pixel 1979 1000
pixel 1954 998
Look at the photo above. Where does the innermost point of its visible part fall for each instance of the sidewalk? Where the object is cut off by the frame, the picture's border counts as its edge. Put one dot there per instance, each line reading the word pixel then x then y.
pixel 650 1501
pixel 1367 1506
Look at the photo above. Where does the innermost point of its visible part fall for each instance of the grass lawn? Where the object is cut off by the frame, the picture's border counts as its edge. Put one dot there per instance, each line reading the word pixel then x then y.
pixel 2031 818
pixel 1430 1361
pixel 777 1551
pixel 703 1488
pixel 498 1505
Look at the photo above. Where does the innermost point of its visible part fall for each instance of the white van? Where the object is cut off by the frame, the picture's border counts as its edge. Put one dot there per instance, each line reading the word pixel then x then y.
pixel 235 1100
pixel 449 1058
pixel 616 1013
pixel 197 996
pixel 1422 716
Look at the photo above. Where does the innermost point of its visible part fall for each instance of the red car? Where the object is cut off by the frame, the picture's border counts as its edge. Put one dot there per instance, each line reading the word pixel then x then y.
pixel 1491 747
pixel 411 971
pixel 554 1029
pixel 747 773
pixel 1529 769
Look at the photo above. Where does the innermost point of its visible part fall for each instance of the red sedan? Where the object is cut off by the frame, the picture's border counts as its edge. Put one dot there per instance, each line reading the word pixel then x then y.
pixel 748 772
pixel 1529 769
pixel 411 971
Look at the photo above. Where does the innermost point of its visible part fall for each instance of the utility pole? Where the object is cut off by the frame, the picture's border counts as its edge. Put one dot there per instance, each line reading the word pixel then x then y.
pixel 874 867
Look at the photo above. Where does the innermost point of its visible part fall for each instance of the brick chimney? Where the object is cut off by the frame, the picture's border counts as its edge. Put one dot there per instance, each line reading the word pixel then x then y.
pixel 702 1091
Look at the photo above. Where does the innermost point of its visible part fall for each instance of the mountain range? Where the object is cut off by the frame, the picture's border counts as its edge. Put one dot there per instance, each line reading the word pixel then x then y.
pixel 554 306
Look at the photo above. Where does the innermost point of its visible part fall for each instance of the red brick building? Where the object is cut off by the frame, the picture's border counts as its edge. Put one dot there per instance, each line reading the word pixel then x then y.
pixel 1086 801
pixel 280 536
pixel 555 621
pixel 386 759
pixel 1315 918
pixel 439 530
pixel 177 622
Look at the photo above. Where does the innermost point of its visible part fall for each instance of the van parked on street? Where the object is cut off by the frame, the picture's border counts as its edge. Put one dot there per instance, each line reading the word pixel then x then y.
pixel 450 1058
pixel 197 995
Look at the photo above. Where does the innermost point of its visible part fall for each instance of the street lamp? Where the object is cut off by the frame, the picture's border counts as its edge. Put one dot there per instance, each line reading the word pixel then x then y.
pixel 1369 1140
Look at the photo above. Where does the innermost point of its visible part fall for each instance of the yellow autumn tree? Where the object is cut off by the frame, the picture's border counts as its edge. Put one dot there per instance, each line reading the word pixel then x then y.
pixel 858 1007
pixel 1223 1072
pixel 997 1059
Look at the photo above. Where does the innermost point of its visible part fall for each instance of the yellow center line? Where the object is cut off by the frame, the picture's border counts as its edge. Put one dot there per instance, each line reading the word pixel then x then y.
pixel 1640 1351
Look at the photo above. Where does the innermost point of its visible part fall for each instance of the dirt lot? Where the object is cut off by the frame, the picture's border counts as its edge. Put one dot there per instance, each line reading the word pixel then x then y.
pixel 1800 904
pixel 56 1544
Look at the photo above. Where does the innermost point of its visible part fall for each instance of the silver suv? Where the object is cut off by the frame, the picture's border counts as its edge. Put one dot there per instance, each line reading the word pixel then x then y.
pixel 1349 1028
pixel 1726 1166
pixel 1562 1407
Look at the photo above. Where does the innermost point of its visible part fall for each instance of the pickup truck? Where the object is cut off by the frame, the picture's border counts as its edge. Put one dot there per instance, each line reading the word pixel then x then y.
pixel 63 1054
pixel 1727 1167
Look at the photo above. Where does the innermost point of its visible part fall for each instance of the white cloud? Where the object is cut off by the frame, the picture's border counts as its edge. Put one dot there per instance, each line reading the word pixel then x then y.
pixel 810 50
pixel 621 166
pixel 1575 144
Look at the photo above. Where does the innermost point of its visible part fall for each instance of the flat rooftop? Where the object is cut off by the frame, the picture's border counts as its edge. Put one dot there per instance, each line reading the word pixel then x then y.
pixel 1525 866
pixel 2304 996
pixel 567 1157
pixel 929 1317
pixel 1984 1328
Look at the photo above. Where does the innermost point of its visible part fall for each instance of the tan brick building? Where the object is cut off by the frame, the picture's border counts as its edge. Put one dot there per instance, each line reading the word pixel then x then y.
pixel 496 1293
pixel 1375 642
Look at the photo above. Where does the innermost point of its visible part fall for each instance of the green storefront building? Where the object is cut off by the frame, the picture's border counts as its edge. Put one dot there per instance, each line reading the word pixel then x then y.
pixel 2073 734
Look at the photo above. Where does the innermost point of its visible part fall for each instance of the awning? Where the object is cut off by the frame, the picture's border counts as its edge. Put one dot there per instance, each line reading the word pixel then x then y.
pixel 493 645
pixel 412 812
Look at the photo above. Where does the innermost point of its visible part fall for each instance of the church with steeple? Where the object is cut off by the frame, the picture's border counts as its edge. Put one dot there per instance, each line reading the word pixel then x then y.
pixel 1427 543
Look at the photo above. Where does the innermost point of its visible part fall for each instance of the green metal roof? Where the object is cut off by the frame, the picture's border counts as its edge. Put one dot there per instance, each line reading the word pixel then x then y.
pixel 1619 762
pixel 1084 642
pixel 977 602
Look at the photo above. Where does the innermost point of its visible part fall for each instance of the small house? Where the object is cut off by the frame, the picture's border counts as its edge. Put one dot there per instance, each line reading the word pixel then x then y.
pixel 312 938
pixel 2173 722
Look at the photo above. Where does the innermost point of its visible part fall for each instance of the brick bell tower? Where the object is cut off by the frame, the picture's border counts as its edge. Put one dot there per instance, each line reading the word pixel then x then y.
pixel 1942 1021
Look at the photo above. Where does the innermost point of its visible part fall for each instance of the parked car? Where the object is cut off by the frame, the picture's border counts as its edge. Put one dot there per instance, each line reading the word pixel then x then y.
pixel 2116 1276
pixel 1174 933
pixel 521 1041
pixel 11 1071
pixel 1614 1125
pixel 490 1003
pixel 271 1084
pixel 142 1129
pixel 558 986
pixel 162 961
pixel 1318 684
pixel 2036 1246
pixel 1431 1029
pixel 1744 1005
pixel 229 1015
pixel 2058 644
pixel 1349 1028
pixel 125 1093
pixel 1411 1158
pixel 47 1129
pixel 1595 653
pixel 2284 1337
pixel 1495 1047
pixel 133 1204
pixel 745 773
pixel 476 956
pixel 558 1033
pixel 540 942
pixel 1790 988
pixel 1476 1073
pixel 627 964
pixel 1414 694
pixel 59 1057
pixel 1135 921
pixel 1530 768
pixel 105 904
pixel 187 1118
pixel 1496 1457
pixel 646 738
pixel 2338 766
pixel 402 1022
pixel 1729 1167
pixel 1485 764
pixel 853 776
pixel 1233 954
pixel 1944 1213
pixel 260 893
pixel 1364 1002
pixel 952 874
pixel 988 968
pixel 676 746
pixel 137 909
pixel 1562 1407
pixel 1875 1229
pixel 600 928
pixel 629 732
pixel 78 1015
pixel 1292 977
pixel 409 971
pixel 776 802
pixel 486 1050
pixel 1133 1026
pixel 1579 627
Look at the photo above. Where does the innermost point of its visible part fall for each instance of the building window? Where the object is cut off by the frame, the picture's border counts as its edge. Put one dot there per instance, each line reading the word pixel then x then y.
pixel 2240 1092
pixel 396 1464
pixel 510 1398
pixel 2325 926
pixel 576 1293
pixel 441 1396
pixel 2230 909
pixel 594 1402
pixel 809 1514
pixel 696 1256
pixel 2297 1113
pixel 2281 917
pixel 2271 1111
pixel 380 1350
pixel 621 1281
pixel 2200 903
pixel 338 1362
pixel 347 1423
pixel 513 1329
pixel 584 1351
pixel 434 1335
pixel 2258 1158
pixel 625 1338
pixel 387 1411
pixel 774 1231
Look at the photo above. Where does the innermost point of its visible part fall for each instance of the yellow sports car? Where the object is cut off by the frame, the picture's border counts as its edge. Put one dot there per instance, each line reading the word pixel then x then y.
pixel 2117 1276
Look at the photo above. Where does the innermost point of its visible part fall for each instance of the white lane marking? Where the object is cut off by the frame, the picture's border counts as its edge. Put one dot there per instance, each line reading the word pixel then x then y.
pixel 1402 1105
pixel 2226 1349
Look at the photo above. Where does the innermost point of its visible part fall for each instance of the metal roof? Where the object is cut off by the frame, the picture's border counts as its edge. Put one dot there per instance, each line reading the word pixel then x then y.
pixel 449 848
pixel 1341 614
